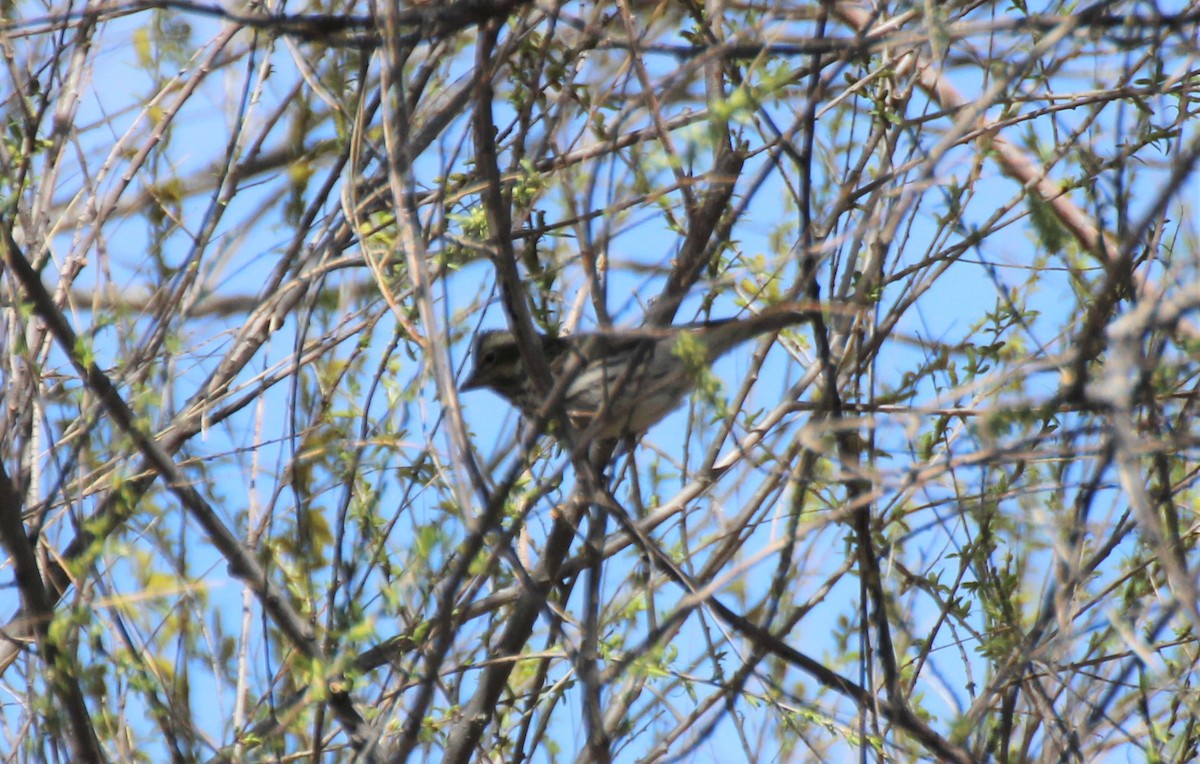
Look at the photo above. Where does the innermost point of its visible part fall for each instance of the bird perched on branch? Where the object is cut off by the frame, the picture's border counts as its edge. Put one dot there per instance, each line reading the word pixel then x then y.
pixel 629 378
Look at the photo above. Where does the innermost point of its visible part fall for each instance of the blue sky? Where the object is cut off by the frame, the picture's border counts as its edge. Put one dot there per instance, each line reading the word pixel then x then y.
pixel 251 458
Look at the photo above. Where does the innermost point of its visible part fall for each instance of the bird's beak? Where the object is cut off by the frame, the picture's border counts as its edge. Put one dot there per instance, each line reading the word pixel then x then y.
pixel 470 383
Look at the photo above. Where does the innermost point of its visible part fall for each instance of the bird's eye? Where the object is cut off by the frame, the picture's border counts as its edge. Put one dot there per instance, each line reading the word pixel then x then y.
pixel 489 357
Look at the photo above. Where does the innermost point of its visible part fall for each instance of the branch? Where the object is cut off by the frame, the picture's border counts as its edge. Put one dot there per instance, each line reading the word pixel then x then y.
pixel 242 564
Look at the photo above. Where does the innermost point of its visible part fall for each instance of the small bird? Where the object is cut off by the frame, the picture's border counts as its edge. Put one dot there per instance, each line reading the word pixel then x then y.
pixel 630 378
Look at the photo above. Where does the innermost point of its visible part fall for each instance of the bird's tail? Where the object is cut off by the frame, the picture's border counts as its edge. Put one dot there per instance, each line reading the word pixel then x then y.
pixel 722 336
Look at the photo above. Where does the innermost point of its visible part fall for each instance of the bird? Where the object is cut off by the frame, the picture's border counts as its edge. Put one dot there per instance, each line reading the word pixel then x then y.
pixel 628 378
